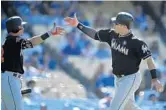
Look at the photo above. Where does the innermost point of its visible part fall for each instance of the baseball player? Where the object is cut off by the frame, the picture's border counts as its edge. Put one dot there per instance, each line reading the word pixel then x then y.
pixel 12 63
pixel 127 53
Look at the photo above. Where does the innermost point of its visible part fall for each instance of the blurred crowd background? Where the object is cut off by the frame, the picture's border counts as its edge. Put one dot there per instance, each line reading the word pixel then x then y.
pixel 73 72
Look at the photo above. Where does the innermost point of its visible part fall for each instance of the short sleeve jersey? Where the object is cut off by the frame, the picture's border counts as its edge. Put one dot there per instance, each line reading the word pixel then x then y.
pixel 127 51
pixel 13 57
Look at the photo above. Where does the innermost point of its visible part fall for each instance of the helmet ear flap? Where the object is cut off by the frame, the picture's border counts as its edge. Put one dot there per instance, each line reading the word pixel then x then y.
pixel 15 30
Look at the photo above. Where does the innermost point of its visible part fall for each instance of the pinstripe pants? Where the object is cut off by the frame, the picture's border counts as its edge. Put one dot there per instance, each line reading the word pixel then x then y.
pixel 10 92
pixel 125 87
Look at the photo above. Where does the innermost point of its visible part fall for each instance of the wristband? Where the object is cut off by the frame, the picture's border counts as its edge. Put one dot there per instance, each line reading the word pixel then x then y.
pixel 153 73
pixel 45 36
pixel 80 26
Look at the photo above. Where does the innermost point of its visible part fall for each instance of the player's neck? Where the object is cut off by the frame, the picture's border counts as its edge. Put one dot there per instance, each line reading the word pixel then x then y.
pixel 124 33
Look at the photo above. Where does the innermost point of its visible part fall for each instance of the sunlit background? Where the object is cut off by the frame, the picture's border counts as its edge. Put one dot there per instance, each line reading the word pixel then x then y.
pixel 73 72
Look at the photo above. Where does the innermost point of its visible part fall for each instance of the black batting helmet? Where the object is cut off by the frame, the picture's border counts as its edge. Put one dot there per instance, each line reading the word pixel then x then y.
pixel 13 23
pixel 123 18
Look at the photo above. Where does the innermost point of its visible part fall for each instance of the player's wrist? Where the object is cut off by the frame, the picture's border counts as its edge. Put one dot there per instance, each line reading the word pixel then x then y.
pixel 153 73
pixel 45 35
pixel 49 33
pixel 80 26
pixel 76 24
pixel 154 80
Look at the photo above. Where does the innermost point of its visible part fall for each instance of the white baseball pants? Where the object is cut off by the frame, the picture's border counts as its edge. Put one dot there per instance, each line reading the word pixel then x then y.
pixel 125 88
pixel 11 92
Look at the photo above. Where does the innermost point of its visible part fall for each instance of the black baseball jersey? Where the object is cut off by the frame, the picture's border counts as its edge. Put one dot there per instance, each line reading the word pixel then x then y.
pixel 127 51
pixel 13 57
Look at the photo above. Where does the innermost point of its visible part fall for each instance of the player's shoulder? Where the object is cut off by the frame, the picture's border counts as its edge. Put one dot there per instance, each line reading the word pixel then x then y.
pixel 10 40
pixel 137 40
pixel 14 40
pixel 108 31
pixel 105 30
pixel 112 31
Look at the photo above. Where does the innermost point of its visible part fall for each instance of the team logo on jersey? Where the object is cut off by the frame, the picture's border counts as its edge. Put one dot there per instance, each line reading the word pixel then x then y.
pixel 144 48
pixel 118 47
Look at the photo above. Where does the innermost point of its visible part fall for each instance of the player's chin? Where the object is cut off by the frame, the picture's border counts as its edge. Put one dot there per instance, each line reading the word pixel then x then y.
pixel 117 31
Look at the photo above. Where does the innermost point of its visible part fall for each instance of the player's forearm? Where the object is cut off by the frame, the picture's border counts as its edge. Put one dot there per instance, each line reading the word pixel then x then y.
pixel 152 67
pixel 87 30
pixel 36 40
pixel 150 63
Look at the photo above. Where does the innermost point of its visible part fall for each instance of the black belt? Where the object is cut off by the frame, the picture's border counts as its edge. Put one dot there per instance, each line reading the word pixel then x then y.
pixel 122 75
pixel 15 74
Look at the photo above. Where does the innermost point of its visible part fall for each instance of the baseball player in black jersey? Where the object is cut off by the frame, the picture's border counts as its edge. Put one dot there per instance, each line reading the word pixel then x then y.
pixel 127 53
pixel 12 60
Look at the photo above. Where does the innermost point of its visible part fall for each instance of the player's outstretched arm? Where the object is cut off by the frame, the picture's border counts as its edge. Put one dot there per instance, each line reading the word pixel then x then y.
pixel 85 29
pixel 155 82
pixel 55 31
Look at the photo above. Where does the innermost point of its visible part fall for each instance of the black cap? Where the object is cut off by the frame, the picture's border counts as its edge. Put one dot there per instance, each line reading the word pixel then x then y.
pixel 13 23
pixel 123 18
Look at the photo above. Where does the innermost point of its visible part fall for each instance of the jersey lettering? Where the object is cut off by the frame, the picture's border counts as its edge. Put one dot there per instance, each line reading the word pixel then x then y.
pixel 119 48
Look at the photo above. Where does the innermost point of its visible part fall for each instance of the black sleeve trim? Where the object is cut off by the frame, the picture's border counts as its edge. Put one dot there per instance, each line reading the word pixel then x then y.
pixel 147 56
